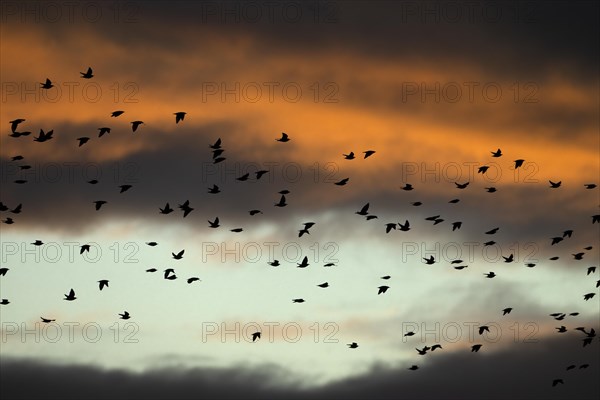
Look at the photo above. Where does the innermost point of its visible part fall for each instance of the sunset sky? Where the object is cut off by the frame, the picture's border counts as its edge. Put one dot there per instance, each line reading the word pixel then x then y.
pixel 432 87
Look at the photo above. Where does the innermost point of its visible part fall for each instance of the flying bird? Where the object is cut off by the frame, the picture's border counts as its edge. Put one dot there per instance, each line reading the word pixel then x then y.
pixel 14 124
pixel 407 187
pixel 185 207
pixel 255 335
pixel 216 145
pixel 369 153
pixel 304 263
pixel 102 131
pixel 83 140
pixel 215 223
pixel 43 137
pixel 179 255
pixel 103 283
pixel 46 320
pixel 115 114
pixel 588 296
pixel 124 188
pixel 405 227
pixel 99 204
pixel 475 348
pixel 3 271
pixel 490 274
pixel 509 259
pixel 179 116
pixel 555 185
pixel 298 300
pixel 192 279
pixel 342 182
pixel 484 328
pixel 382 289
pixel 430 260
pixel 166 210
pixel 125 315
pixel 587 185
pixel 87 74
pixel 483 169
pixel 519 163
pixel 323 285
pixel 254 212
pixel 284 138
pixel 497 153
pixel 135 125
pixel 349 156
pixel 390 226
pixel 364 210
pixel 282 202
pixel 214 190
pixel 507 310
pixel 70 296
pixel 461 185
pixel 47 85
pixel 353 345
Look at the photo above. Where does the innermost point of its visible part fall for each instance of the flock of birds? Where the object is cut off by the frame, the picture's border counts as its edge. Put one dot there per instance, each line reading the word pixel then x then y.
pixel 217 156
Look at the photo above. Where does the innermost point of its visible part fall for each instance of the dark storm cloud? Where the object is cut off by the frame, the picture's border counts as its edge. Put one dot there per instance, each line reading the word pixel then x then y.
pixel 524 370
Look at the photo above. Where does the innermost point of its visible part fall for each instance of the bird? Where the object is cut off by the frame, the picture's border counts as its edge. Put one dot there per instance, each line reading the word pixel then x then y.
pixel 14 124
pixel 555 185
pixel 588 296
pixel 490 274
pixel 307 226
pixel 274 263
pixel 364 210
pixel 255 335
pixel 570 367
pixel 492 231
pixel 557 381
pixel 409 333
pixel 484 328
pixel 386 277
pixel 304 263
pixel 519 163
pixel 125 188
pixel 370 217
pixel 569 233
pixel 102 131
pixel 491 189
pixel 436 346
pixel 382 289
pixel 254 212
pixel 353 345
pixel 168 272
pixel 595 218
pixel 179 116
pixel 556 240
pixel 17 158
pixel 507 310
pixel 93 182
pixel 70 296
pixel 166 210
pixel 243 177
pixel 561 329
pixel 151 270
pixel 179 255
pixel 4 302
pixel 259 174
pixel 390 226
pixel 217 153
pixel 87 74
pixel 459 267
pixel 237 230
pixel 432 218
pixel 47 85
pixel 369 153
pixel 454 201
pixel 185 207
pixel 591 270
pixel 17 209
pixel 329 265
pixel 215 223
pixel 497 153
pixel 475 348
pixel 37 243
pixel 216 145
pixel 423 351
pixel 83 140
pixel 285 191
pixel 125 315
pixel 578 256
pixel 323 285
pixel 483 169
pixel 349 156
pixel 135 125
pixel 192 279
pixel 587 185
pixel 103 283
pixel 298 300
pixel 342 182
pixel 115 114
pixel 3 271
pixel 99 204
pixel 46 320
pixel 430 260
pixel 416 203
pixel 461 185
pixel 407 187
pixel 413 367
pixel 509 259
pixel 282 202
pixel 8 221
pixel 530 265
pixel 43 137
pixel 284 138
pixel 84 248
pixel 405 227
pixel 456 225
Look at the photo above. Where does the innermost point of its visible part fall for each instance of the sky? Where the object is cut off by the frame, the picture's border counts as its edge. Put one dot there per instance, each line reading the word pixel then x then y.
pixel 433 88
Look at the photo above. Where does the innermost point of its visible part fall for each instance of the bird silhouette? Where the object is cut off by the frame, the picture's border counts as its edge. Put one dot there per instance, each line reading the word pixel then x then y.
pixel 243 177
pixel 555 185
pixel 557 381
pixel 87 74
pixel 507 310
pixel 490 274
pixel 4 302
pixel 349 156
pixel 483 169
pixel 591 270
pixel 475 348
pixel 353 345
pixel 413 367
pixel 491 189
pixel 216 145
pixel 364 210
pixel 102 131
pixel 185 207
pixel 436 346
pixel 47 85
pixel 298 300
pixel 14 124
pixel 135 125
pixel 192 279
pixel 462 185
pixel 179 255
pixel 390 226
pixel 168 272
pixel 83 140
pixel 569 233
pixel 46 320
pixel 125 315
pixel 43 137
pixel 179 116
pixel 456 225
pixel 282 202
pixel 102 283
pixel 407 187
pixel 497 153
pixel 166 210
pixel 254 212
pixel 556 240
pixel 70 296
pixel 405 227
pixel 304 263
pixel 588 296
pixel 382 289
pixel 430 260
pixel 519 163
pixel 587 185
pixel 561 329
pixel 117 113
pixel 99 204
pixel 323 285
pixel 215 223
pixel 386 277
pixel 484 328
pixel 274 263
pixel 369 153
pixel 255 335
pixel 259 174
pixel 509 259
pixel 3 271
pixel 342 182
pixel 284 138
pixel 124 188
